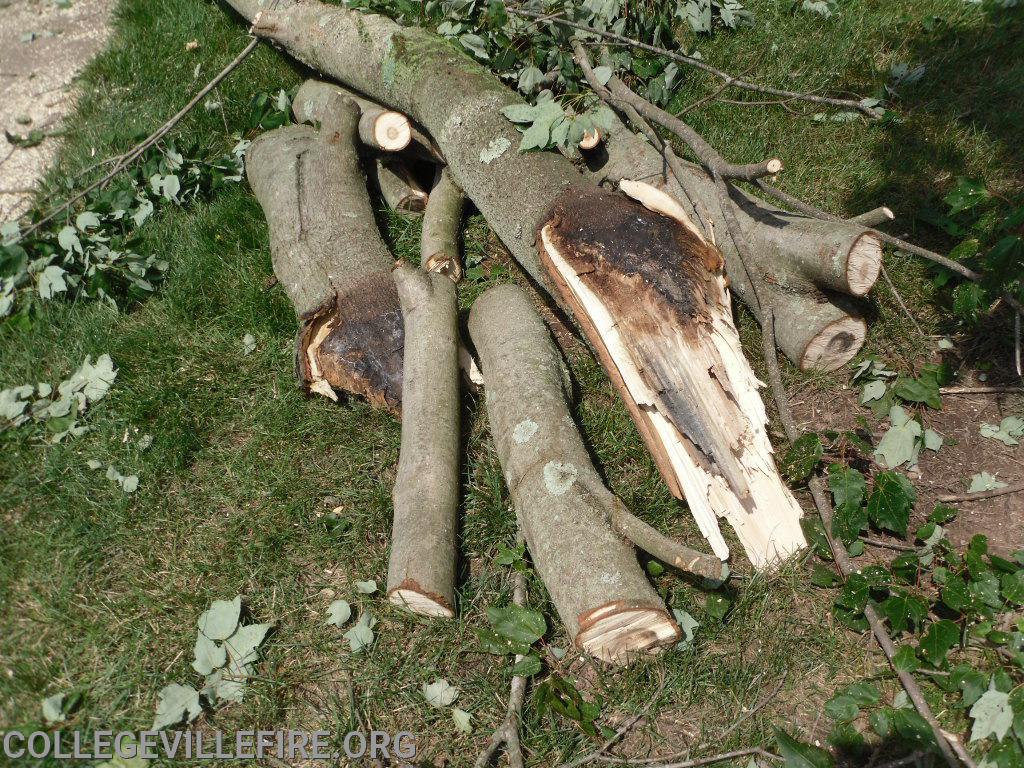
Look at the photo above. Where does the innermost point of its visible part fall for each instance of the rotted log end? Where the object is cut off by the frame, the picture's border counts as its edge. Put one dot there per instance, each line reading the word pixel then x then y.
pixel 410 596
pixel 619 632
pixel 355 344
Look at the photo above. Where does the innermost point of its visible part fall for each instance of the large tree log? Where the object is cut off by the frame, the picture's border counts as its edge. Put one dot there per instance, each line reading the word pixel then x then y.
pixel 421 569
pixel 459 103
pixel 806 267
pixel 329 256
pixel 606 604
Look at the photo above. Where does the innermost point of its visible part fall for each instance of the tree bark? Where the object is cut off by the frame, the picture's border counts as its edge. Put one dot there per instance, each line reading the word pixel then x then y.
pixel 329 257
pixel 606 604
pixel 459 103
pixel 442 222
pixel 807 265
pixel 421 569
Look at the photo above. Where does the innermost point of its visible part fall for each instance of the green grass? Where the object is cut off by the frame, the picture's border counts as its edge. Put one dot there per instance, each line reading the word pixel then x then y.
pixel 99 591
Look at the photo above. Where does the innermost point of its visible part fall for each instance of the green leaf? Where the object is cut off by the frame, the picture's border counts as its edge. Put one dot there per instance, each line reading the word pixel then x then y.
pixel 507 556
pixel 440 693
pixel 969 299
pixel 528 666
pixel 873 390
pixel 842 708
pixel 802 457
pixel 366 587
pixel 890 502
pixel 983 481
pixel 942 514
pixel 798 754
pixel 965 195
pixel 492 642
pixel 51 281
pixel 518 624
pixel 462 718
pixel 338 612
pixel 905 659
pixel 243 645
pixel 53 708
pixel 848 487
pixel 688 625
pixel 177 703
pixel 992 715
pixel 717 606
pixel 822 576
pixel 900 444
pixel 941 636
pixel 208 656
pixel 954 593
pixel 220 620
pixel 902 609
pixel 920 390
pixel 361 635
pixel 1006 432
pixel 1013 587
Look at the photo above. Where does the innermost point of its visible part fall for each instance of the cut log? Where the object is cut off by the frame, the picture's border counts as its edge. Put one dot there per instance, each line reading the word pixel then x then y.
pixel 394 133
pixel 329 257
pixel 421 568
pixel 459 103
pixel 806 265
pixel 442 223
pixel 683 375
pixel 602 597
pixel 400 191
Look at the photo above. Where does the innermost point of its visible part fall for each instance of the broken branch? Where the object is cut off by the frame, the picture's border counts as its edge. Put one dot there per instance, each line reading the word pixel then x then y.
pixel 442 222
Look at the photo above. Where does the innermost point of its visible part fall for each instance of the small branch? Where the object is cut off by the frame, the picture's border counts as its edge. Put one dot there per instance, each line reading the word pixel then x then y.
pixel 655 543
pixel 875 217
pixel 697 762
pixel 981 390
pixel 809 210
pixel 135 152
pixel 979 495
pixel 599 752
pixel 698 64
pixel 887 544
pixel 756 708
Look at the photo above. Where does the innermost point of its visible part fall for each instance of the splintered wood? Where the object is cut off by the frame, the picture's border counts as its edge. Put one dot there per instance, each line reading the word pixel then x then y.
pixel 652 298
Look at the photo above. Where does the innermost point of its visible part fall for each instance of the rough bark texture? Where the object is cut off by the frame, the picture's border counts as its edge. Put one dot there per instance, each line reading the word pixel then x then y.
pixel 329 257
pixel 805 262
pixel 563 508
pixel 457 101
pixel 421 569
pixel 442 222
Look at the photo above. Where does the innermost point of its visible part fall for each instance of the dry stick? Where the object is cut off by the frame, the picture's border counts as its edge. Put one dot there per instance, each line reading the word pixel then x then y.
pixel 701 65
pixel 699 761
pixel 887 544
pixel 981 390
pixel 978 495
pixel 132 154
pixel 800 206
pixel 508 732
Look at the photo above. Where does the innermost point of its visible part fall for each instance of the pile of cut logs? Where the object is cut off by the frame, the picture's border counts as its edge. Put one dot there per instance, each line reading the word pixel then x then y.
pixel 632 257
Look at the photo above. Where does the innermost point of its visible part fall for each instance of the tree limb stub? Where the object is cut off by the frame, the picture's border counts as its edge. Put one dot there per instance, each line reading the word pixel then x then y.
pixel 397 186
pixel 651 298
pixel 442 223
pixel 605 602
pixel 421 568
pixel 379 128
pixel 806 268
pixel 329 257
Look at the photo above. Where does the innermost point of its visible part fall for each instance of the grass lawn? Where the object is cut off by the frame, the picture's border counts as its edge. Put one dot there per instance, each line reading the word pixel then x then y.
pixel 100 590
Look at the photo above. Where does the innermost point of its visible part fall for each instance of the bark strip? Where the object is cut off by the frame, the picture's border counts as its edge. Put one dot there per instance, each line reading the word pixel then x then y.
pixel 563 508
pixel 329 257
pixel 421 569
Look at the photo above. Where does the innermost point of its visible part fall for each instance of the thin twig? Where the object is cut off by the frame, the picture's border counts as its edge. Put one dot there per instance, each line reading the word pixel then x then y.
pixel 698 64
pixel 887 544
pixel 899 300
pixel 981 390
pixel 978 495
pixel 756 708
pixel 699 761
pixel 135 152
pixel 591 756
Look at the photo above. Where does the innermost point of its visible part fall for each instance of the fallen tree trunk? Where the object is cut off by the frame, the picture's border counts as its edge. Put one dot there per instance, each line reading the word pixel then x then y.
pixel 808 268
pixel 329 257
pixel 459 103
pixel 603 598
pixel 421 568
